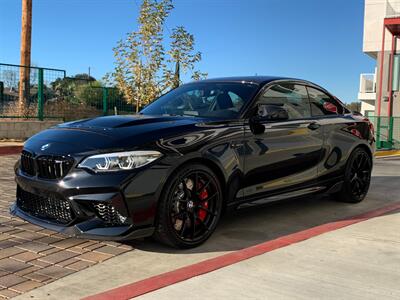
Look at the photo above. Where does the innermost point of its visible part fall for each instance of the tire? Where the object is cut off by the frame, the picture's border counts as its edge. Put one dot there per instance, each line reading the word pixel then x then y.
pixel 357 177
pixel 190 207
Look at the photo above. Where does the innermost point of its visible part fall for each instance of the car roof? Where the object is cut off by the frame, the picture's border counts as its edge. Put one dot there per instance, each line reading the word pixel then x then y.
pixel 261 80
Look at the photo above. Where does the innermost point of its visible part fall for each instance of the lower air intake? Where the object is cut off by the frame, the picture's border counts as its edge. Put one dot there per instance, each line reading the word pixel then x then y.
pixel 52 209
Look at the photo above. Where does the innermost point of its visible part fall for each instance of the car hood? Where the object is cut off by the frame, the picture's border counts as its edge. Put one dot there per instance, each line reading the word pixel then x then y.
pixel 112 132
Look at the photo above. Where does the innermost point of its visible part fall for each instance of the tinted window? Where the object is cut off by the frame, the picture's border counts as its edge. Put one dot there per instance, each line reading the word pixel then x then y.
pixel 322 104
pixel 204 99
pixel 292 97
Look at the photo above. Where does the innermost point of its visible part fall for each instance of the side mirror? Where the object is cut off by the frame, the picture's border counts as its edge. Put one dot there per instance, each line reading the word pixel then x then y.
pixel 266 113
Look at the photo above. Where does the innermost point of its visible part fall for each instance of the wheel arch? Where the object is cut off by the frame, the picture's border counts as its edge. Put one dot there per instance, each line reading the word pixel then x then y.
pixel 203 161
pixel 366 148
pixel 161 224
pixel 214 167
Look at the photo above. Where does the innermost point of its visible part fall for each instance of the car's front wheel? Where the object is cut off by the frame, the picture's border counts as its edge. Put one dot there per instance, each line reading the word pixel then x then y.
pixel 190 208
pixel 357 177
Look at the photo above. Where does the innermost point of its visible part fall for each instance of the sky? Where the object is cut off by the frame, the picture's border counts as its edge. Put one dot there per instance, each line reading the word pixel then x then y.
pixel 316 40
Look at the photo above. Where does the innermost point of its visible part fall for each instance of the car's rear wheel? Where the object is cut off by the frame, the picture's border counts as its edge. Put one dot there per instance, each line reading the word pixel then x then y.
pixel 357 177
pixel 190 208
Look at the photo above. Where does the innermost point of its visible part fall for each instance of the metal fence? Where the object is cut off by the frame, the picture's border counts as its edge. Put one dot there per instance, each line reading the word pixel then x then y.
pixel 387 130
pixel 45 93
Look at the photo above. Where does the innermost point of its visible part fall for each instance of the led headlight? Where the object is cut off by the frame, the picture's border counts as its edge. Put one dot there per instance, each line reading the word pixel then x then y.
pixel 119 161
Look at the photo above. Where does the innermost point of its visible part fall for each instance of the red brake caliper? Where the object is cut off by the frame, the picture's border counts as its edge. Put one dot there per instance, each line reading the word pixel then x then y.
pixel 204 203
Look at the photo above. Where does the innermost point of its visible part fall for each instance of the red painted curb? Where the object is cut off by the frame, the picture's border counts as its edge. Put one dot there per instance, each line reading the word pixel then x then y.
pixel 9 150
pixel 159 281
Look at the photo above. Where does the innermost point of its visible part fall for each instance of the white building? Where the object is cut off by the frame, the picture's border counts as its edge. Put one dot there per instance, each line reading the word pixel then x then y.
pixel 379 91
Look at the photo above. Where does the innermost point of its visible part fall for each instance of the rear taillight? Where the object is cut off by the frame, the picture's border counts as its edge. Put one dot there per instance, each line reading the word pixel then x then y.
pixel 370 125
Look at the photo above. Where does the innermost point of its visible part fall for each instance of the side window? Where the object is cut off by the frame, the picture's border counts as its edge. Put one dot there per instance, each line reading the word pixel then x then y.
pixel 322 104
pixel 292 97
pixel 236 100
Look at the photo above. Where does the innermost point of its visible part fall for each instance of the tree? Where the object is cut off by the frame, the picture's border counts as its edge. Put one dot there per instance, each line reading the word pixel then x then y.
pixel 182 56
pixel 63 88
pixel 70 88
pixel 142 66
pixel 139 58
pixel 10 79
pixel 84 77
pixel 88 94
pixel 354 106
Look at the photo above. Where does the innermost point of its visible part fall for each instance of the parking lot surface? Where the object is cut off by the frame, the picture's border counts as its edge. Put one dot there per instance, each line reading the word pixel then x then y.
pixel 31 256
pixel 236 231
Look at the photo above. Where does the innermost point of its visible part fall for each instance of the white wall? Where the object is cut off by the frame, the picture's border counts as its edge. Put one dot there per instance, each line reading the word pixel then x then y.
pixel 367 105
pixel 374 13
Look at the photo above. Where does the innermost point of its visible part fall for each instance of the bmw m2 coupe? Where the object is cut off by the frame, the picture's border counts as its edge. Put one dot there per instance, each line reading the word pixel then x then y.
pixel 171 170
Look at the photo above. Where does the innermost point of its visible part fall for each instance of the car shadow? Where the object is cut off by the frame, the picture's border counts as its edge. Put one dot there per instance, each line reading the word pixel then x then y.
pixel 247 227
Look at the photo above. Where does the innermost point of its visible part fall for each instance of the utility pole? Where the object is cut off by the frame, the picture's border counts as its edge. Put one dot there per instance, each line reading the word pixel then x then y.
pixel 24 72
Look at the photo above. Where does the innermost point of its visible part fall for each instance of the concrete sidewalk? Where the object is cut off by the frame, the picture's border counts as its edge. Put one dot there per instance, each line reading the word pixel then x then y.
pixel 361 261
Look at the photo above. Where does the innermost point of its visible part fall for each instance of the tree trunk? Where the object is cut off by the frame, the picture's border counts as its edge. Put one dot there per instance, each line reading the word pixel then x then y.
pixel 177 76
pixel 24 72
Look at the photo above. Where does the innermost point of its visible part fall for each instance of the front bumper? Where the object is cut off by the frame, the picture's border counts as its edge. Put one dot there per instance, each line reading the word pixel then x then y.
pixel 131 196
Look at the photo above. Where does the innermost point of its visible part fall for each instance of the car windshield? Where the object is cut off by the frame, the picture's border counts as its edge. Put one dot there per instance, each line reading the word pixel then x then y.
pixel 204 99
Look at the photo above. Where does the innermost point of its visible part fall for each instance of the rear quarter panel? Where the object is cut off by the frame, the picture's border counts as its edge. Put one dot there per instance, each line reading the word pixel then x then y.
pixel 342 134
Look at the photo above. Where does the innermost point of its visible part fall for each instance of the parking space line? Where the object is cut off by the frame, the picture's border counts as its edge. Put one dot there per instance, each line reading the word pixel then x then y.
pixel 163 280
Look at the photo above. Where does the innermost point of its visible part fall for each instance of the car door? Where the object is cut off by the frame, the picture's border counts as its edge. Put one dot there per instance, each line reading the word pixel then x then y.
pixel 286 155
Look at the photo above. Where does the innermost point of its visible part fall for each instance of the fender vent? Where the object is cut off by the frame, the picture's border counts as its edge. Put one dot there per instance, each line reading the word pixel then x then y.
pixel 108 214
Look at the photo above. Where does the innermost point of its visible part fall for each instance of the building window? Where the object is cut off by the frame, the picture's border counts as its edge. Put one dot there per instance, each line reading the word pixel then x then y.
pixel 396 73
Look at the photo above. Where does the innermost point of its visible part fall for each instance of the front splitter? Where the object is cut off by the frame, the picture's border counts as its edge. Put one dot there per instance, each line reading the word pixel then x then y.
pixel 90 229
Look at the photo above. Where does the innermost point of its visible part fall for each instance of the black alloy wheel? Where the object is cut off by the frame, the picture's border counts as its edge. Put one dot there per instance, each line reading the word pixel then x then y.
pixel 190 210
pixel 357 177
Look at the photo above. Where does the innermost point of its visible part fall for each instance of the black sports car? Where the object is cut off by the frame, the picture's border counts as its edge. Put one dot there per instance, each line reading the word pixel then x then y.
pixel 206 146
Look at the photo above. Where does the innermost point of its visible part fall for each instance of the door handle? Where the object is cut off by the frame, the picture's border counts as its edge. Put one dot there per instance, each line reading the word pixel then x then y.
pixel 313 126
pixel 235 145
